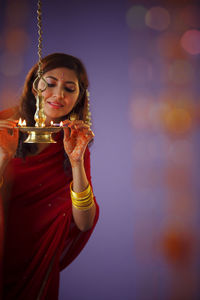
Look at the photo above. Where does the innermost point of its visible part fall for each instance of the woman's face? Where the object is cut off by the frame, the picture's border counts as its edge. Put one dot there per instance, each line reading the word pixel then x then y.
pixel 61 93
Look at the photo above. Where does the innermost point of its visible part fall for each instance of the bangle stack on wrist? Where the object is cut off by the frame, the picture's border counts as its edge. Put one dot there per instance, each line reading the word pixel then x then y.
pixel 1 181
pixel 83 200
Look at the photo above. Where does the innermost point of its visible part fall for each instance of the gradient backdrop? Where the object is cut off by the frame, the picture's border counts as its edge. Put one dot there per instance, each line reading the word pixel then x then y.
pixel 143 63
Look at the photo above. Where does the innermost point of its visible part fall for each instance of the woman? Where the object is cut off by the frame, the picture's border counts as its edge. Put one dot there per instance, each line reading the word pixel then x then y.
pixel 47 201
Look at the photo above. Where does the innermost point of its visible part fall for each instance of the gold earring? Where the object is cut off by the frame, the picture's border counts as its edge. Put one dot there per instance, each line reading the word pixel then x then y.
pixel 73 116
pixel 88 113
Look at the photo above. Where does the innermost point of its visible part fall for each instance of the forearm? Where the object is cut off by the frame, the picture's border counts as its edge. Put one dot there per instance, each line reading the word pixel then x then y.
pixel 83 218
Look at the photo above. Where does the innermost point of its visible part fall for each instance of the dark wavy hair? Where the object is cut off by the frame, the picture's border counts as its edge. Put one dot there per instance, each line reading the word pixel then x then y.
pixel 27 105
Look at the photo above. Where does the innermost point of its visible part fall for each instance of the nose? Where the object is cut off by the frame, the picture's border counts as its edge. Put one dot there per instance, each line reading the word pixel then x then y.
pixel 60 93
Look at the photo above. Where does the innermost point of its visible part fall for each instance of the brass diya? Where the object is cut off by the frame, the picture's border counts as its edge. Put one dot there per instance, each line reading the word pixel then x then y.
pixel 39 133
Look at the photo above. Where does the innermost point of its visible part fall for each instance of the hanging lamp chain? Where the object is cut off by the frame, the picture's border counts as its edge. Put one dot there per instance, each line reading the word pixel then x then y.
pixel 39 25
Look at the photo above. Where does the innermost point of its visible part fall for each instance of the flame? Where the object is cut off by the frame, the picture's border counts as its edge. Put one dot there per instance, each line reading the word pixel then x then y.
pixel 61 124
pixel 52 123
pixel 21 123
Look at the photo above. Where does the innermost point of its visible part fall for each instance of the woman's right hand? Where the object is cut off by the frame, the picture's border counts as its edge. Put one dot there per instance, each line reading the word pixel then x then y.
pixel 8 139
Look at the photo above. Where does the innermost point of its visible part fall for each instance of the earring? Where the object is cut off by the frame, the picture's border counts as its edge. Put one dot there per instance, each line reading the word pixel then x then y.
pixel 73 116
pixel 88 113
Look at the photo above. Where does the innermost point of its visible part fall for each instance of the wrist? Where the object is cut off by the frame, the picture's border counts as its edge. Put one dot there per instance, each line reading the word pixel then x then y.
pixel 77 164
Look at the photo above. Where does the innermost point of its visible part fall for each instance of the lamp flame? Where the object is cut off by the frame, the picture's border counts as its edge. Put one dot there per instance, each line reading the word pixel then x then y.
pixel 61 124
pixel 21 123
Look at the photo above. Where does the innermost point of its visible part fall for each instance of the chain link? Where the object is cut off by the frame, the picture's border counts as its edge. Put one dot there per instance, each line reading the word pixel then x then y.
pixel 39 25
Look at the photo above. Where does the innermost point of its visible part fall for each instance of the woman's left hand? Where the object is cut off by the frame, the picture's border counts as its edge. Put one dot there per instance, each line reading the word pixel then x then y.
pixel 77 135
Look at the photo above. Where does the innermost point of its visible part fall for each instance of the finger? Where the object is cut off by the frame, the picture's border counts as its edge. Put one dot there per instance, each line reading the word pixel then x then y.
pixel 66 122
pixel 74 133
pixel 87 131
pixel 76 122
pixel 7 125
pixel 89 137
pixel 66 133
pixel 81 126
pixel 14 121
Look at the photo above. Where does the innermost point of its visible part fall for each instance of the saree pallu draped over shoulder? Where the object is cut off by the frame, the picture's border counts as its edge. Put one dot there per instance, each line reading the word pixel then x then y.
pixel 41 236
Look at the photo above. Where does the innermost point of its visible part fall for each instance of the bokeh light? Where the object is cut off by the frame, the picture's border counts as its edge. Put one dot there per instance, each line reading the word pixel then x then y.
pixel 157 18
pixel 190 41
pixel 16 40
pixel 135 17
pixel 139 112
pixel 177 120
pixel 177 246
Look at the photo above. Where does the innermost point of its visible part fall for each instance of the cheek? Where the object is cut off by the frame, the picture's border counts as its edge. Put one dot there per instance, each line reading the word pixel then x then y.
pixel 72 101
pixel 46 94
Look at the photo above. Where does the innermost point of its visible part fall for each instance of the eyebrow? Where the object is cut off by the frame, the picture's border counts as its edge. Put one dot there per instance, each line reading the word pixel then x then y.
pixel 52 77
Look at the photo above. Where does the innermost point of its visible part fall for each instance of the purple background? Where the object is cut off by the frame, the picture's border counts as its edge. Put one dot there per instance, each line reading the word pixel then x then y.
pixel 124 259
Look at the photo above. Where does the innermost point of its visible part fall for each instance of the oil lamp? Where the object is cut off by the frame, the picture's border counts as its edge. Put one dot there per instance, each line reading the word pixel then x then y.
pixel 39 133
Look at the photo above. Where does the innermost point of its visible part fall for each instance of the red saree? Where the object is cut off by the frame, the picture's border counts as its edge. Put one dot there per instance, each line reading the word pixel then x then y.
pixel 41 237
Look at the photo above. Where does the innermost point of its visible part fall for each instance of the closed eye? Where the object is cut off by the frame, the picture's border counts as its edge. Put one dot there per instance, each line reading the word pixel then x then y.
pixel 51 84
pixel 69 90
pixel 65 88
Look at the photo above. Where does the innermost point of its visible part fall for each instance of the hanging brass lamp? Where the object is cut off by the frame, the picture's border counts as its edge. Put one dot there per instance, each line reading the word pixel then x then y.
pixel 39 133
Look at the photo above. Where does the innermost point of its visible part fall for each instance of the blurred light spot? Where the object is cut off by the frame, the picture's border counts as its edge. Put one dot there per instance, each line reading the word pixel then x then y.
pixel 16 40
pixel 156 113
pixel 139 110
pixel 181 72
pixel 10 64
pixel 181 152
pixel 190 41
pixel 135 17
pixel 177 246
pixel 157 18
pixel 177 120
pixel 140 71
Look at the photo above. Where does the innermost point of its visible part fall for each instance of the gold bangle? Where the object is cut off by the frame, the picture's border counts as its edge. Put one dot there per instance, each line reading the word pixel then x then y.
pixel 88 206
pixel 81 194
pixel 1 182
pixel 83 207
pixel 83 200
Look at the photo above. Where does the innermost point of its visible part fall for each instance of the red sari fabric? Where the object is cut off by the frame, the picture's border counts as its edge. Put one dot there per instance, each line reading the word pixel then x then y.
pixel 41 237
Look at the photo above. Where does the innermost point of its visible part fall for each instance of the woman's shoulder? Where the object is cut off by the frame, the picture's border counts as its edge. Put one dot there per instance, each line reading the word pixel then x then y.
pixel 10 113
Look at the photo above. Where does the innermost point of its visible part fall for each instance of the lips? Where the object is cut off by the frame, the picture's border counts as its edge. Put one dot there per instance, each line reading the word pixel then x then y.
pixel 55 104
